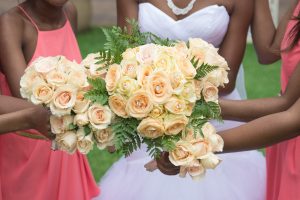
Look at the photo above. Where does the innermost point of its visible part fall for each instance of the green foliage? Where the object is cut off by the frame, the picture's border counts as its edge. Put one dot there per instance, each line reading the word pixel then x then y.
pixel 127 139
pixel 118 39
pixel 87 130
pixel 208 110
pixel 203 69
pixel 98 93
pixel 104 58
pixel 72 127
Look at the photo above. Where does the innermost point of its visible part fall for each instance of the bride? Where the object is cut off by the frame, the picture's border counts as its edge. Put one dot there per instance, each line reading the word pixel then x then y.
pixel 240 176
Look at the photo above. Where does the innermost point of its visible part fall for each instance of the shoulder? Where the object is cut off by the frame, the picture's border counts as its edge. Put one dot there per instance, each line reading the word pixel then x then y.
pixel 11 24
pixel 71 12
pixel 243 7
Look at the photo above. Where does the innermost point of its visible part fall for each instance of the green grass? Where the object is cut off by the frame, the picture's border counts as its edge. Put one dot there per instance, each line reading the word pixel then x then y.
pixel 261 81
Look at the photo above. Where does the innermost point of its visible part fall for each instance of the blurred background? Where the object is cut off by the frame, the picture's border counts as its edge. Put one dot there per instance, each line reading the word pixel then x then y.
pixel 261 81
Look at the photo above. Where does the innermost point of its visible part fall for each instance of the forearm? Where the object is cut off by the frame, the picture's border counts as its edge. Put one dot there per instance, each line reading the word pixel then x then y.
pixel 11 104
pixel 247 110
pixel 262 132
pixel 19 120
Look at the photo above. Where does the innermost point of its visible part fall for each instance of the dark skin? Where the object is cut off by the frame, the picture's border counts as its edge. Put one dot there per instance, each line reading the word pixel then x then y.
pixel 234 43
pixel 278 117
pixel 18 36
pixel 17 114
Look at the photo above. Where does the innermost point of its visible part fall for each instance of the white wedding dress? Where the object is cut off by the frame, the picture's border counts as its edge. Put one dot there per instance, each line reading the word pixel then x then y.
pixel 240 176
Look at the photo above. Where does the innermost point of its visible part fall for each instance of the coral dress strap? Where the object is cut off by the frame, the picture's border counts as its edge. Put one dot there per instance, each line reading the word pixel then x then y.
pixel 28 16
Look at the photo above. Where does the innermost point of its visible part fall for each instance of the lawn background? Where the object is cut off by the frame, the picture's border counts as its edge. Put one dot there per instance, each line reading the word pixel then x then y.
pixel 261 81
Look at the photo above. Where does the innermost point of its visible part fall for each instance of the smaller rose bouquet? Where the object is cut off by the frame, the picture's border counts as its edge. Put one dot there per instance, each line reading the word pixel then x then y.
pixel 61 85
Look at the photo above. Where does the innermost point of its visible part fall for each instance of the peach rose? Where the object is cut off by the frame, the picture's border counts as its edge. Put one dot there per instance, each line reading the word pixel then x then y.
pixel 61 124
pixel 42 93
pixel 130 54
pixel 45 64
pixel 84 142
pixel 210 161
pixel 81 119
pixel 176 105
pixel 104 138
pixel 198 88
pixel 218 77
pixel 182 49
pixel 112 77
pixel 143 72
pixel 63 100
pixel 147 54
pixel 139 105
pixel 157 111
pixel 186 68
pixel 129 68
pixel 67 141
pixel 117 104
pixel 201 147
pixel 182 154
pixel 174 124
pixel 99 116
pixel 127 86
pixel 195 170
pixel 81 104
pixel 151 128
pixel 189 109
pixel 210 92
pixel 177 82
pixel 159 87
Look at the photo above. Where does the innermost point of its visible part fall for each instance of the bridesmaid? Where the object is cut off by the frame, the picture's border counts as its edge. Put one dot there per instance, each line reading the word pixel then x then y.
pixel 28 168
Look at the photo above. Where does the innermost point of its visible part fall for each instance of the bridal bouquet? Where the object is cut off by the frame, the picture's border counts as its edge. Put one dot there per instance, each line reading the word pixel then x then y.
pixel 163 94
pixel 61 85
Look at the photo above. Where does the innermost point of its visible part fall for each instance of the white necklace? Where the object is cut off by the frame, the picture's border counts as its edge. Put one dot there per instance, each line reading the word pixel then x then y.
pixel 180 11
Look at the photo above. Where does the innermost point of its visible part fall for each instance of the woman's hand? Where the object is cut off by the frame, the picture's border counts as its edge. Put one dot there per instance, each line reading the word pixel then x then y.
pixel 40 121
pixel 163 164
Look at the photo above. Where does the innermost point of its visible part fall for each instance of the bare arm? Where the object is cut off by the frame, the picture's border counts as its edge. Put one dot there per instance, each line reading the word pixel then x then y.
pixel 246 110
pixel 264 131
pixel 12 59
pixel 234 43
pixel 17 114
pixel 126 9
pixel 266 38
pixel 72 14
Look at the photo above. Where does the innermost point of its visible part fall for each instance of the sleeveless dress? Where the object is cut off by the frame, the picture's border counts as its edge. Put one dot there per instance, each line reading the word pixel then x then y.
pixel 283 164
pixel 240 176
pixel 29 169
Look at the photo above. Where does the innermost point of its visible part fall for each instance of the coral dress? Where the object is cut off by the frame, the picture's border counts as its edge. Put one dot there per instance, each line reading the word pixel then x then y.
pixel 283 159
pixel 29 170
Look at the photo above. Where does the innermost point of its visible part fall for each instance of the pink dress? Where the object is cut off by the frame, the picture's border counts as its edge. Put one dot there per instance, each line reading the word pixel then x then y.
pixel 283 159
pixel 29 170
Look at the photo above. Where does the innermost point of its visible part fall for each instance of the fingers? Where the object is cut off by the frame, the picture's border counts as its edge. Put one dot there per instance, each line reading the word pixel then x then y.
pixel 151 166
pixel 165 166
pixel 111 149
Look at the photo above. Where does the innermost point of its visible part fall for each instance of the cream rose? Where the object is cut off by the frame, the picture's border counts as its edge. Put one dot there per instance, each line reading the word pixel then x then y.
pixel 201 147
pixel 210 161
pixel 182 154
pixel 218 77
pixel 182 49
pixel 130 54
pixel 117 104
pixel 176 105
pixel 84 142
pixel 57 78
pixel 104 138
pixel 215 140
pixel 213 58
pixel 164 62
pixel 151 128
pixel 63 100
pixel 139 105
pixel 78 78
pixel 198 88
pixel 186 67
pixel 159 87
pixel 99 116
pixel 81 104
pixel 29 78
pixel 157 111
pixel 45 64
pixel 129 68
pixel 112 77
pixel 143 72
pixel 189 109
pixel 210 92
pixel 67 142
pixel 177 82
pixel 42 93
pixel 127 86
pixel 174 124
pixel 81 119
pixel 196 170
pixel 61 124
pixel 147 54
pixel 189 92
